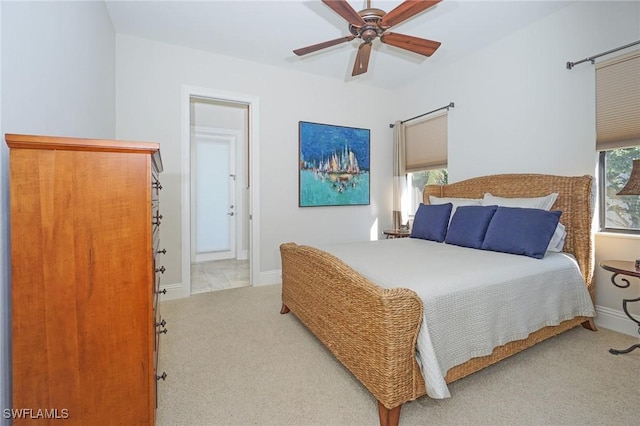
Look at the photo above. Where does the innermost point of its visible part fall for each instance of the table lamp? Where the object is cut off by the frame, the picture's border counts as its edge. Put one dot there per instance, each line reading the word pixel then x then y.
pixel 633 188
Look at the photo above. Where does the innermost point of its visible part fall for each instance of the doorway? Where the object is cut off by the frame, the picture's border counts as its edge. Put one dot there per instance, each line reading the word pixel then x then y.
pixel 219 224
pixel 218 201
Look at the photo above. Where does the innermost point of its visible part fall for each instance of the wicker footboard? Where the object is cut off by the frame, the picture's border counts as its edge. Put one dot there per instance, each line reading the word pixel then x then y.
pixel 372 331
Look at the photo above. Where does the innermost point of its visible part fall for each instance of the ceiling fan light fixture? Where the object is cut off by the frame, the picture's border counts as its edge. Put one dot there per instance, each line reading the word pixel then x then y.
pixel 368 35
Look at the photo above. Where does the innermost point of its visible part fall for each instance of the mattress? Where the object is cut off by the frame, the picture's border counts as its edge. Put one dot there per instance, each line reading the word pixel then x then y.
pixel 474 300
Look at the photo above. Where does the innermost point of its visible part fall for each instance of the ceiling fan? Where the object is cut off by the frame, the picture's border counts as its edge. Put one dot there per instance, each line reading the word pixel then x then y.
pixel 371 23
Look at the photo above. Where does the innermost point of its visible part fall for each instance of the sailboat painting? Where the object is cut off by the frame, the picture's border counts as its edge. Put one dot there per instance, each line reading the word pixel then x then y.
pixel 334 165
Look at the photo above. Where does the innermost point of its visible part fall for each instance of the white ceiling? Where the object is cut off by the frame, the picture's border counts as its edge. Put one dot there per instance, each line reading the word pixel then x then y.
pixel 267 31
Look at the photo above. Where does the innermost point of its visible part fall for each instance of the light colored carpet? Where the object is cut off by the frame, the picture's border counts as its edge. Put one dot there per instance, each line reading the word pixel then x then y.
pixel 233 359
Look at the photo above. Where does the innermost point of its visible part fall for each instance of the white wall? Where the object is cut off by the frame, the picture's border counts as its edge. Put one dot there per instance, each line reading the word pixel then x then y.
pixel 518 109
pixel 59 71
pixel 149 80
pixel 220 115
pixel 58 78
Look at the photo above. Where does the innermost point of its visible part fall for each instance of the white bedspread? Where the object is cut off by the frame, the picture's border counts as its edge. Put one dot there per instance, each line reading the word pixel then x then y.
pixel 474 300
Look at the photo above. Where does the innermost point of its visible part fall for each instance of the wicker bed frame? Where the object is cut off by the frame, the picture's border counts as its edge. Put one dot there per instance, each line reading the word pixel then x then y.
pixel 373 331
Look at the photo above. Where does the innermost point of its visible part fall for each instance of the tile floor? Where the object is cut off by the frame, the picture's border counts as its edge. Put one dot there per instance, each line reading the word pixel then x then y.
pixel 219 275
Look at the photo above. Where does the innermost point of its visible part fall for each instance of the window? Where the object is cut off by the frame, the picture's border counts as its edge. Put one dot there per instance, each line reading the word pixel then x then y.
pixel 426 157
pixel 416 182
pixel 618 139
pixel 618 213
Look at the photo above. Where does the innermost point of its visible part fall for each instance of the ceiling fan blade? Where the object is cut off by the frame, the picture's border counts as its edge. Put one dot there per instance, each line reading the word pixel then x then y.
pixel 345 10
pixel 323 45
pixel 414 44
pixel 405 11
pixel 362 59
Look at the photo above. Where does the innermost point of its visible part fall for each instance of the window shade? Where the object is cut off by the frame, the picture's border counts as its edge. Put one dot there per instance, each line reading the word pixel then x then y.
pixel 426 144
pixel 618 102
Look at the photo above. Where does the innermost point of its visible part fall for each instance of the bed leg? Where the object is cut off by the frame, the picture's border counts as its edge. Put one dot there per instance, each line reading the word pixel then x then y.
pixel 389 416
pixel 590 324
pixel 284 309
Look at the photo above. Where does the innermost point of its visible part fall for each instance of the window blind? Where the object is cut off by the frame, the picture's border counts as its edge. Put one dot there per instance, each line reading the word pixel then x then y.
pixel 426 144
pixel 618 102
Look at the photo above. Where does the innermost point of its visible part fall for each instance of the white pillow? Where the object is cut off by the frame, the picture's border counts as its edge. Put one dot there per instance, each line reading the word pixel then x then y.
pixel 457 202
pixel 543 203
pixel 557 240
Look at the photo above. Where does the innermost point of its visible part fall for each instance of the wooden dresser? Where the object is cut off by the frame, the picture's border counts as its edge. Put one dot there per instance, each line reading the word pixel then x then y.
pixel 85 280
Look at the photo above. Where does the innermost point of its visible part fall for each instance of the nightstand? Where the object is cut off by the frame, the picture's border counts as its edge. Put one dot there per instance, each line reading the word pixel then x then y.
pixel 397 233
pixel 628 268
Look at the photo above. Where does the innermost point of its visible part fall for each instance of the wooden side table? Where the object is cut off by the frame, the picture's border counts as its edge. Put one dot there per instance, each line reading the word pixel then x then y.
pixel 627 268
pixel 396 233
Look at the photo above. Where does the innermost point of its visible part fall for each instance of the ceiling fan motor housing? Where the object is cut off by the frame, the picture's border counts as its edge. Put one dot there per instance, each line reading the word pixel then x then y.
pixel 372 29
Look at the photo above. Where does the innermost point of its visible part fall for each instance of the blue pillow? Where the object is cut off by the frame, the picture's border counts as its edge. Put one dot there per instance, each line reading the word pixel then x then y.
pixel 469 225
pixel 430 221
pixel 521 231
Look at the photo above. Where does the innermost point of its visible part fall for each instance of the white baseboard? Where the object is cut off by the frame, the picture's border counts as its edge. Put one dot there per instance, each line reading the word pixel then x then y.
pixel 269 277
pixel 615 320
pixel 174 291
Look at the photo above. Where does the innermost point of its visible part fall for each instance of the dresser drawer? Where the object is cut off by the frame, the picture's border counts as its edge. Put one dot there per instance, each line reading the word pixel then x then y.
pixel 156 186
pixel 156 217
pixel 161 328
pixel 156 290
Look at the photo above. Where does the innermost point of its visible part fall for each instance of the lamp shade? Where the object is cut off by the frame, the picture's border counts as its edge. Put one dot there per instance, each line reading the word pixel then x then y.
pixel 633 184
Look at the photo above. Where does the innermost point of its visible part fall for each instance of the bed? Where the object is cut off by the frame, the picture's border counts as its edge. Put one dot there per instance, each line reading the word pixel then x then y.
pixel 373 328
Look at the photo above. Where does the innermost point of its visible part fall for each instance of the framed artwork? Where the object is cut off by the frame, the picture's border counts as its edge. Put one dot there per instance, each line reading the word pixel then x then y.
pixel 333 165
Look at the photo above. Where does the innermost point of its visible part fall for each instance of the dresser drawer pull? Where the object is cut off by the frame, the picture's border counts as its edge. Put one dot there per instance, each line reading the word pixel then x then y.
pixel 163 291
pixel 161 270
pixel 157 185
pixel 163 377
pixel 161 323
pixel 157 219
pixel 163 251
pixel 163 331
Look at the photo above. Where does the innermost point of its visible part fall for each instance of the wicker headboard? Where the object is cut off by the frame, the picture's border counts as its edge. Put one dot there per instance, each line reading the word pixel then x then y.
pixel 574 200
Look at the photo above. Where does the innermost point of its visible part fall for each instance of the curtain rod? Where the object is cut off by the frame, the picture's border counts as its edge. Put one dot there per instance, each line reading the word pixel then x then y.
pixel 593 58
pixel 451 105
